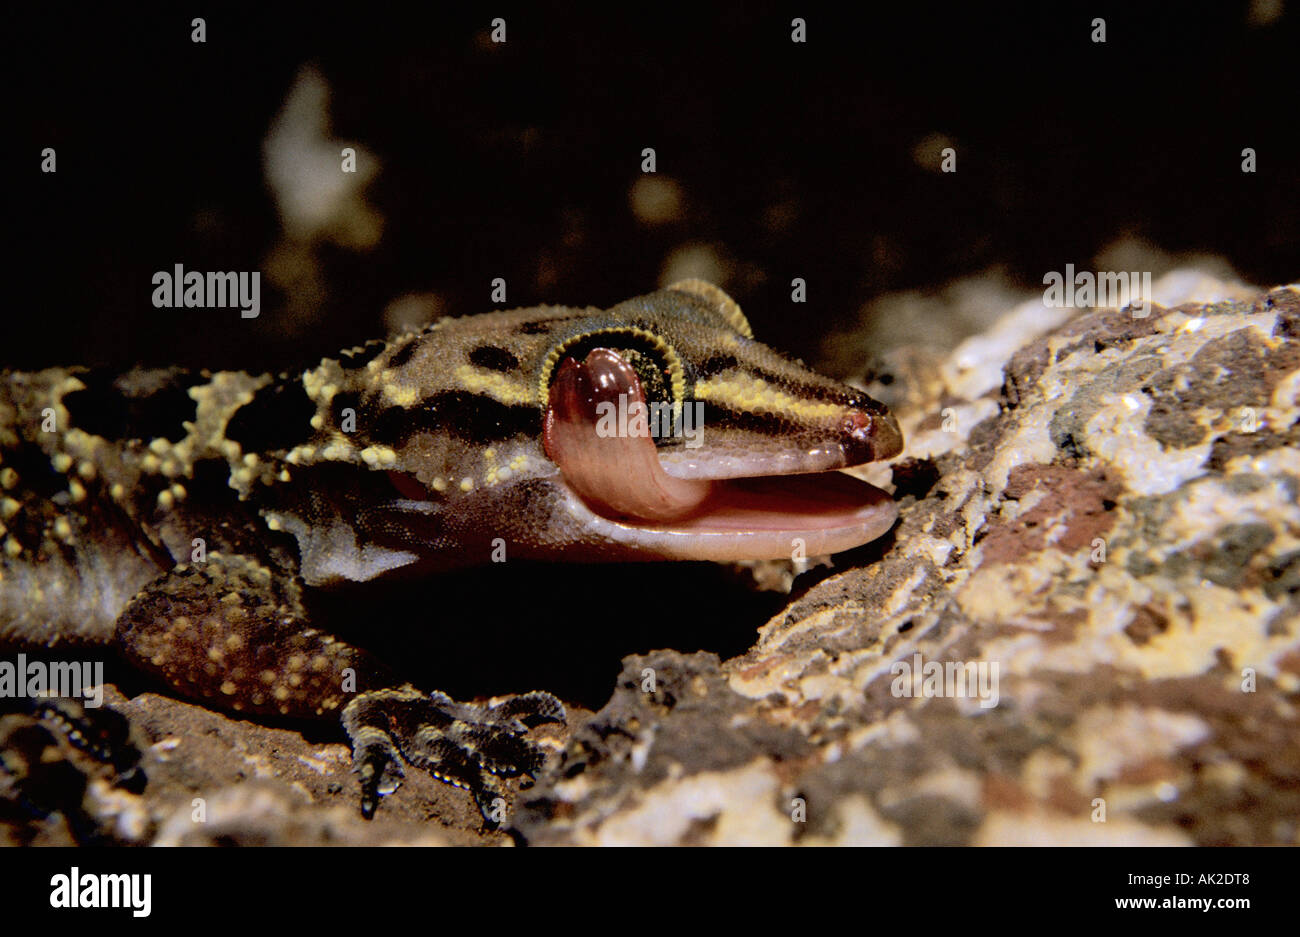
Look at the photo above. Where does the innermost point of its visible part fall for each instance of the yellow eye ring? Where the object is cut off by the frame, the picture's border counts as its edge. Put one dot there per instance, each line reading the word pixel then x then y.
pixel 673 362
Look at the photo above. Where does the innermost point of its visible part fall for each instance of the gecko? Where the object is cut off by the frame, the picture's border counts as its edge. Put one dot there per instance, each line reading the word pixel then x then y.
pixel 184 518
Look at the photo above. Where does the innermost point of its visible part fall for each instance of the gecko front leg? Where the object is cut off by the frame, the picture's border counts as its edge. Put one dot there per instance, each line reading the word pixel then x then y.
pixel 232 633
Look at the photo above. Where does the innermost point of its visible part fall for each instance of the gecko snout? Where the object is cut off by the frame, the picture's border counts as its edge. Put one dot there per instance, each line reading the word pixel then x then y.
pixel 871 436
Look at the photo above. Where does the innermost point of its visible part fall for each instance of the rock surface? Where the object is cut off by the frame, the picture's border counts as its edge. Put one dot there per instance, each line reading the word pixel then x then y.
pixel 1099 544
pixel 1108 544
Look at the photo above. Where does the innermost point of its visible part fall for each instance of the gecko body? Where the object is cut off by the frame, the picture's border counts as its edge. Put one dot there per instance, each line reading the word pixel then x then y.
pixel 181 517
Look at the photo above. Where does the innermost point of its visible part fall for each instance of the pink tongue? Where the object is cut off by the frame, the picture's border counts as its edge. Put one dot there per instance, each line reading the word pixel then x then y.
pixel 610 460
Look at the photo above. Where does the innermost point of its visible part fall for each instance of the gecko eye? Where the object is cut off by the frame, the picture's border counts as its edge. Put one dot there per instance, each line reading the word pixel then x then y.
pixel 655 362
pixel 649 364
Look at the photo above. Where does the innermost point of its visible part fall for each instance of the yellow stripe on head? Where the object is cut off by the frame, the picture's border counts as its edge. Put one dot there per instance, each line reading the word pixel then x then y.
pixel 746 393
pixel 499 387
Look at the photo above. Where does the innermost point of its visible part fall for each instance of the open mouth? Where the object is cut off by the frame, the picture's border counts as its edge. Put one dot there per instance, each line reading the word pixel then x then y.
pixel 697 510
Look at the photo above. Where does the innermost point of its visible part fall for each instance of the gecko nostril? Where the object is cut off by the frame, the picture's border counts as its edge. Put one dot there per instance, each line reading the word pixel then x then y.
pixel 870 436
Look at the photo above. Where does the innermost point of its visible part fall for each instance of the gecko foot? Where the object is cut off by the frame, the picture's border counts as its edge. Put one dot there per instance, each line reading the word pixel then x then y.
pixel 50 749
pixel 464 744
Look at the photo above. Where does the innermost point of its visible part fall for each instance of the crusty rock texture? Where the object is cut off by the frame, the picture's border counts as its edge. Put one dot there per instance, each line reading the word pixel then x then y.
pixel 1098 551
pixel 1108 544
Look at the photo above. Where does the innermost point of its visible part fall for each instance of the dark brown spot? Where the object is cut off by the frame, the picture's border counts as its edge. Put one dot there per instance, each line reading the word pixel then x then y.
pixel 717 364
pixel 138 405
pixel 475 417
pixel 278 417
pixel 493 358
pixel 403 355
pixel 346 400
pixel 393 425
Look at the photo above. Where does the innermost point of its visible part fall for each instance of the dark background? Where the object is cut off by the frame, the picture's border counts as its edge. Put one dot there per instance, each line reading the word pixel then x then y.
pixel 517 160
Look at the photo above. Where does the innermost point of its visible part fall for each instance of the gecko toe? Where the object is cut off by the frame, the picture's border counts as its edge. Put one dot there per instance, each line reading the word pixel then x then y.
pixel 533 708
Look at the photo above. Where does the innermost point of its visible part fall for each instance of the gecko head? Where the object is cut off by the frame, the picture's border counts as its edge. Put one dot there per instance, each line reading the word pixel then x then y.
pixel 676 434
pixel 657 429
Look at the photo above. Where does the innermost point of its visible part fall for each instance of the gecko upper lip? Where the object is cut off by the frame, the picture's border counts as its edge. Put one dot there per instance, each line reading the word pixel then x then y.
pixel 863 436
pixel 620 480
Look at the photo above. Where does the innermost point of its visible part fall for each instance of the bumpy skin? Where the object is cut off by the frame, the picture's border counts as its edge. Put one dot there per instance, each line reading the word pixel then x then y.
pixel 180 516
